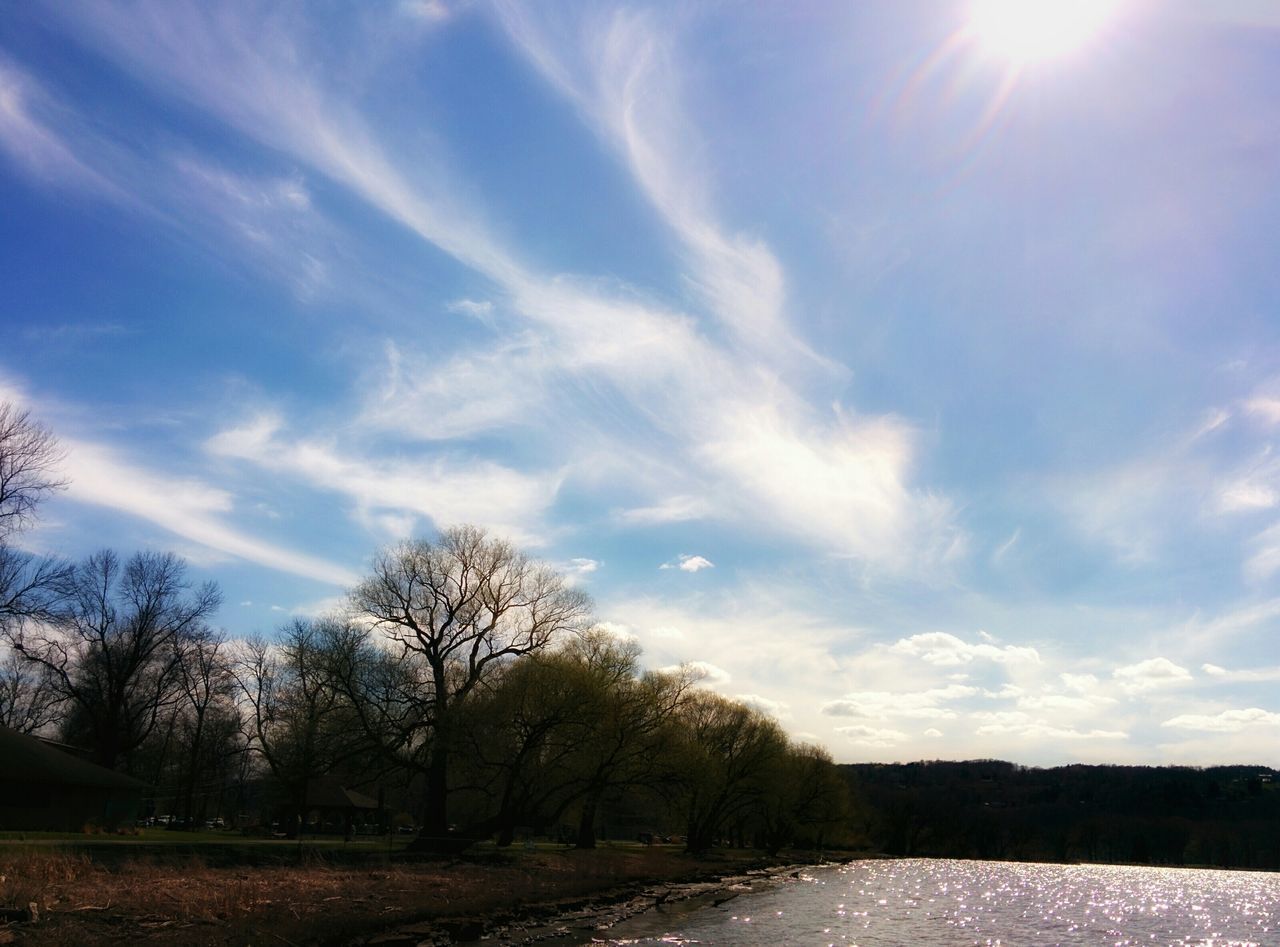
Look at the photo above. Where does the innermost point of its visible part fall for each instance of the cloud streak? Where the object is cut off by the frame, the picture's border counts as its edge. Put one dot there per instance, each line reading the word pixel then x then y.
pixel 186 507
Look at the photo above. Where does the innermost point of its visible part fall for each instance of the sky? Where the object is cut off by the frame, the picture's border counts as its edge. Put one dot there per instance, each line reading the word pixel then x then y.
pixel 911 371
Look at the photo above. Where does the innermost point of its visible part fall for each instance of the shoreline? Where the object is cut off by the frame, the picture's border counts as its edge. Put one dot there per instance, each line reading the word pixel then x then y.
pixel 506 897
pixel 586 920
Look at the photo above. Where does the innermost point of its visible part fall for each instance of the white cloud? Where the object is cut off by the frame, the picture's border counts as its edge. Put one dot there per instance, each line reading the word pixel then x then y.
pixel 439 488
pixel 617 630
pixel 1227 721
pixel 1264 408
pixel 623 75
pixel 1081 683
pixel 472 307
pixel 688 563
pixel 425 397
pixel 1152 674
pixel 727 412
pixel 1230 624
pixel 1252 675
pixel 1003 549
pixel 187 507
pixel 671 510
pixel 920 705
pixel 872 736
pixel 1064 702
pixel 774 708
pixel 1028 729
pixel 702 672
pixel 933 733
pixel 432 11
pixel 34 145
pixel 1246 495
pixel 582 566
pixel 1264 560
pixel 945 650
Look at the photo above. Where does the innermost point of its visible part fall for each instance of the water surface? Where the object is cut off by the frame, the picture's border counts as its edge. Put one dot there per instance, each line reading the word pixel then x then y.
pixel 941 903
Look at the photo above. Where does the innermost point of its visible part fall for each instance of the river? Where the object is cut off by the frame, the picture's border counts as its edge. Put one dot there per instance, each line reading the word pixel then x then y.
pixel 946 903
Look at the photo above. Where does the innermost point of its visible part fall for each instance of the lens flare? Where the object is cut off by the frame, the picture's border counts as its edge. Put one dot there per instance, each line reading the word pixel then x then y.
pixel 1027 31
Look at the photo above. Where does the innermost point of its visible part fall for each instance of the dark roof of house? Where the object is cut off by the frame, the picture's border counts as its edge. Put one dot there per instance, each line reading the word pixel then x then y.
pixel 327 792
pixel 28 760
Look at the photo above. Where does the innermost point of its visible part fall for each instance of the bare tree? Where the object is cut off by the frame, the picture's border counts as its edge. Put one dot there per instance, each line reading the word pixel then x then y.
pixel 29 457
pixel 114 650
pixel 458 608
pixel 300 723
pixel 207 715
pixel 28 701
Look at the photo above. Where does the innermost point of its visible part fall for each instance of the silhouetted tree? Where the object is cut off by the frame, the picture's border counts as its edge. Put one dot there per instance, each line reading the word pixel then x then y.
pixel 454 610
pixel 28 701
pixel 29 454
pixel 729 751
pixel 301 724
pixel 114 649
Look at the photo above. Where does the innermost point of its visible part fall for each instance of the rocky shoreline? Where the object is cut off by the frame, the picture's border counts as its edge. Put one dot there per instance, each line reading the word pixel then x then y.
pixel 593 918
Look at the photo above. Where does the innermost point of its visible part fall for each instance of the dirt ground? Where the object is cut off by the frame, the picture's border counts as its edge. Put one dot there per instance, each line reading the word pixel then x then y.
pixel 78 900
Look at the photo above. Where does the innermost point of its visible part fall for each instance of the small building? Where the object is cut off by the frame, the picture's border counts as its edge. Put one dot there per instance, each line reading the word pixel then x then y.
pixel 44 789
pixel 333 807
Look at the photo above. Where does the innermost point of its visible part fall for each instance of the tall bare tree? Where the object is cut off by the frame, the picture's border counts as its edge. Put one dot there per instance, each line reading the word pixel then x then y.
pixel 458 608
pixel 114 649
pixel 29 457
pixel 207 715
pixel 301 725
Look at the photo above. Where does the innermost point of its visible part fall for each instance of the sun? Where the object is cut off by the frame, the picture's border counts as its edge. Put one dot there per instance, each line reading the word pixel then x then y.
pixel 1029 31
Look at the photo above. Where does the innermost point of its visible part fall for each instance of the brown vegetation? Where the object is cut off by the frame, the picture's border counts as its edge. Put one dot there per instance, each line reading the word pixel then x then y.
pixel 80 901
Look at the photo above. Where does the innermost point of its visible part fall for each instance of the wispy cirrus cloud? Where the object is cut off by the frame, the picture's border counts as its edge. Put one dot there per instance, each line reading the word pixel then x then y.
pixel 622 73
pixel 395 493
pixel 746 434
pixel 187 507
pixel 35 144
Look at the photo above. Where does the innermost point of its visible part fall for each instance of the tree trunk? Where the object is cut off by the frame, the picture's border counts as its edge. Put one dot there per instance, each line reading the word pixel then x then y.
pixel 587 821
pixel 435 823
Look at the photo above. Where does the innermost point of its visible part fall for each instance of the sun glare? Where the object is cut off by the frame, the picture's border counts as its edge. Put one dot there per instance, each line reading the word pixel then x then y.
pixel 1027 31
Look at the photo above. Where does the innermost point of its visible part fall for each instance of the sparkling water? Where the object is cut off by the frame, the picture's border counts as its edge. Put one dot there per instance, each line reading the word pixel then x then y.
pixel 940 903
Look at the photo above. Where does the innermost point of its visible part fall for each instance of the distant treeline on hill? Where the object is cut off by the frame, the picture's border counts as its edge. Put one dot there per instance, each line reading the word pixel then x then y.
pixel 1221 816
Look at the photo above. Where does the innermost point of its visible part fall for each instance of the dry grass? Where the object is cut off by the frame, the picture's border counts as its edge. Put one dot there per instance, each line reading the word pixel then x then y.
pixel 83 902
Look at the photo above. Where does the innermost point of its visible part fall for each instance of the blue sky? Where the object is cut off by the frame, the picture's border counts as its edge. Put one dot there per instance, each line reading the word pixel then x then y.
pixel 924 391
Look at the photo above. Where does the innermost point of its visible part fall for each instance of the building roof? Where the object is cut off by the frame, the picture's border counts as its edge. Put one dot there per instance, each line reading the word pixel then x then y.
pixel 28 760
pixel 327 792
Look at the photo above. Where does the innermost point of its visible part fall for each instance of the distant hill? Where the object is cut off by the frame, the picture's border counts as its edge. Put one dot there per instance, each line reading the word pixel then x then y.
pixel 1221 816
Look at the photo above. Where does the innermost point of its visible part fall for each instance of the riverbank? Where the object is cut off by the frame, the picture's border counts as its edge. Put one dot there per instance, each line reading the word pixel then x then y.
pixel 510 897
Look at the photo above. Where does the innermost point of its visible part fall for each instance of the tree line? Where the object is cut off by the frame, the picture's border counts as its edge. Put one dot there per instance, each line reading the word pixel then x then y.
pixel 1220 816
pixel 462 676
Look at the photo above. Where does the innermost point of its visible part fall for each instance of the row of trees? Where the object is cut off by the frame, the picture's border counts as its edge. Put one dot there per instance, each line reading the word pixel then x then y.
pixel 1225 816
pixel 461 670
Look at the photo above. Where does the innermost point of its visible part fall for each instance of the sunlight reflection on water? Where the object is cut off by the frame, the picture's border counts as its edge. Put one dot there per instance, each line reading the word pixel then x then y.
pixel 940 903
